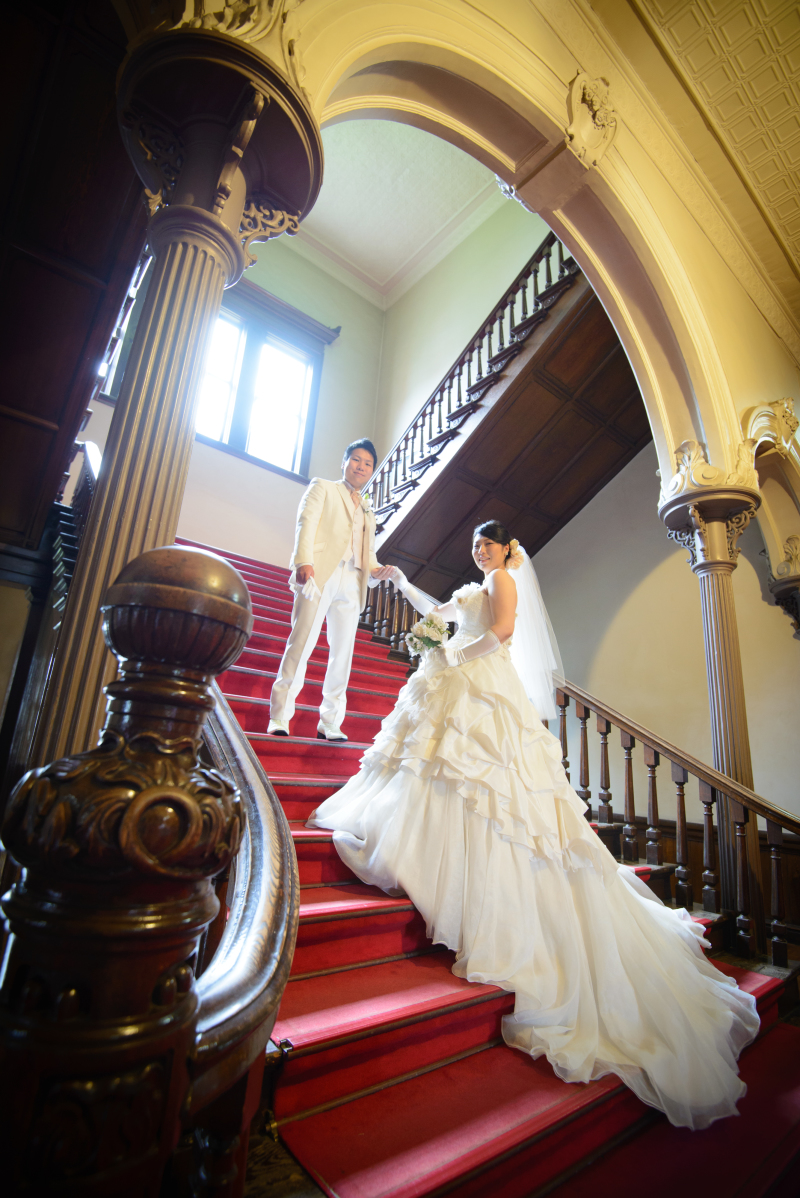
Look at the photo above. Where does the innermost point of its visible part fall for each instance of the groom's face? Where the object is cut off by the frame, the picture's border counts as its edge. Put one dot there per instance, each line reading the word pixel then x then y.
pixel 358 468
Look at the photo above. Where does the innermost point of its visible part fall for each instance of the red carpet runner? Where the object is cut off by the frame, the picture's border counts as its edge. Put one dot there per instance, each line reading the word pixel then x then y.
pixel 397 1082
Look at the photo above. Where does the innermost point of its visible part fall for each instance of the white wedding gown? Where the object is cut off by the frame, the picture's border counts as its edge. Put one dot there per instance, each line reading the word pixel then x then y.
pixel 462 804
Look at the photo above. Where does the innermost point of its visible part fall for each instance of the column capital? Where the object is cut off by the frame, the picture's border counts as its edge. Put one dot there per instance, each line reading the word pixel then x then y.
pixel 708 522
pixel 184 222
pixel 785 583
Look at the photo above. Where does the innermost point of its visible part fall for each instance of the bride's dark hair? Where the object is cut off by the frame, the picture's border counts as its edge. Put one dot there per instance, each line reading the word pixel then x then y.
pixel 495 531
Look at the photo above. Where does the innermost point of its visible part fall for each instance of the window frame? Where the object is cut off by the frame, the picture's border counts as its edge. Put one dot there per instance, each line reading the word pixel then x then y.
pixel 262 314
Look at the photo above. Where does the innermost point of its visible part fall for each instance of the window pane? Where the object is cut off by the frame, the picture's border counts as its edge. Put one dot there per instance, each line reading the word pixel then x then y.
pixel 218 386
pixel 280 405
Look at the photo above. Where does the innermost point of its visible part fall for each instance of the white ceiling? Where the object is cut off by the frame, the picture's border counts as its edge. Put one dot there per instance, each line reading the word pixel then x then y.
pixel 394 201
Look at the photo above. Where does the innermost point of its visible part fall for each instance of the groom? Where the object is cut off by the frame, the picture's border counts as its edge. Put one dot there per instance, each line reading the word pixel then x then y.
pixel 333 559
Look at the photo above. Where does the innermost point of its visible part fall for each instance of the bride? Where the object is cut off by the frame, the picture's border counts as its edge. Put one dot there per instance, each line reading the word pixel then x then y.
pixel 462 804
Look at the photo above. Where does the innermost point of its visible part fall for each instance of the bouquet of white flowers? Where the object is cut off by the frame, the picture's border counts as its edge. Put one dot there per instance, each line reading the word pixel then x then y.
pixel 430 633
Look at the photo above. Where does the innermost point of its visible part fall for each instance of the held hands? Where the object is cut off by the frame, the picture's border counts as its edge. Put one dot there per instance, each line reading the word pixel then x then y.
pixel 394 574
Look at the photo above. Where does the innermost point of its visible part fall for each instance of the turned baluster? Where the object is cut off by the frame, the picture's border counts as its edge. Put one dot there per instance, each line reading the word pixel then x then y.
pixel 396 631
pixel 382 613
pixel 368 616
pixel 604 813
pixel 408 618
pixel 431 410
pixel 489 333
pixel 630 838
pixel 524 291
pixel 405 458
pixel 479 350
pixel 450 396
pixel 412 442
pixel 710 880
pixel 548 275
pixel 684 892
pixel 583 714
pixel 562 703
pixel 745 925
pixel 501 338
pixel 560 253
pixel 396 468
pixel 654 852
pixel 780 949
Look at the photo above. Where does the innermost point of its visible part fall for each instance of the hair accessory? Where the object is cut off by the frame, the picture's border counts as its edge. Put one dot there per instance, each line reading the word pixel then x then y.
pixel 515 557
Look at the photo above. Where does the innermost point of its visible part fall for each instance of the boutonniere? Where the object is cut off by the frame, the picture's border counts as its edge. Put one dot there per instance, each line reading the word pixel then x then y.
pixel 366 503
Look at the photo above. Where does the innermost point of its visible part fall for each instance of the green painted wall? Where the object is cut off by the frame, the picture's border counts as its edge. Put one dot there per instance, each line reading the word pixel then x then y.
pixel 349 384
pixel 428 327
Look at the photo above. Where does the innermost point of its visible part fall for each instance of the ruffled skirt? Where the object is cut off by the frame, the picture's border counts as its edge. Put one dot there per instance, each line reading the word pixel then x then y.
pixel 462 804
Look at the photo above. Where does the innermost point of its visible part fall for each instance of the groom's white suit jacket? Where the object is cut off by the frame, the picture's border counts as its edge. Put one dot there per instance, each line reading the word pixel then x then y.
pixel 324 532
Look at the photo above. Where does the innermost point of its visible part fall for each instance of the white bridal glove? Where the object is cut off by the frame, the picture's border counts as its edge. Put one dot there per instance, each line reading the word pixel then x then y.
pixel 488 643
pixel 418 599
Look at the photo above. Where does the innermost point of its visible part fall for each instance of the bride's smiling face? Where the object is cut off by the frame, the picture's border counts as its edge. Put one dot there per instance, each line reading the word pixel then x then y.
pixel 489 555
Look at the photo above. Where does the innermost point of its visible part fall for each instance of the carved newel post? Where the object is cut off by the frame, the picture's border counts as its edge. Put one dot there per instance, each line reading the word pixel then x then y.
pixel 707 519
pixel 119 845
pixel 229 153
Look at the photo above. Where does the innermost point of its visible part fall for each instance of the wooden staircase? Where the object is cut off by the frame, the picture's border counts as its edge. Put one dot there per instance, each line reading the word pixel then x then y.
pixel 394 1079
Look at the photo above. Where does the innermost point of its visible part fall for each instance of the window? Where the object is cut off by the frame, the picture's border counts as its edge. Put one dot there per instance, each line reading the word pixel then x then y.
pixel 259 388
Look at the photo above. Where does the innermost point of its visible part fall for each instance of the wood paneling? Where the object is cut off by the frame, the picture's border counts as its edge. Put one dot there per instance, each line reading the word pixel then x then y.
pixel 569 420
pixel 71 231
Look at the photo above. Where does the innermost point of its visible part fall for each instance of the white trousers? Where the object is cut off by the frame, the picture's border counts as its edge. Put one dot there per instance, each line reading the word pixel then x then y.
pixel 340 603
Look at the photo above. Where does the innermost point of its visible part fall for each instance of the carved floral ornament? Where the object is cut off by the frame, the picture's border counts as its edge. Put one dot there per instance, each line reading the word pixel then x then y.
pixel 774 423
pixel 695 537
pixel 592 119
pixel 694 472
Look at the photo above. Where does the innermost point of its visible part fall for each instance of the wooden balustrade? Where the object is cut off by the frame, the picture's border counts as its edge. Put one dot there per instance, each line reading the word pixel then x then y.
pixel 476 369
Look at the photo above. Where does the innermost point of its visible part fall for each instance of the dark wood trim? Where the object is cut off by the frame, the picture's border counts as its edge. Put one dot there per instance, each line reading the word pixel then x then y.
pixel 248 457
pixel 254 299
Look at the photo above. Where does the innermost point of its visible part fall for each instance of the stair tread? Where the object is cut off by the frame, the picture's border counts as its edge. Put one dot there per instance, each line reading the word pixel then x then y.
pixel 320 780
pixel 252 672
pixel 258 701
pixel 316 1011
pixel 730 1156
pixel 417 1134
pixel 343 745
pixel 349 900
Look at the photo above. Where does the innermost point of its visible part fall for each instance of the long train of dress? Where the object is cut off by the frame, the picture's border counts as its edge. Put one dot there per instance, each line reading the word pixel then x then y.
pixel 462 803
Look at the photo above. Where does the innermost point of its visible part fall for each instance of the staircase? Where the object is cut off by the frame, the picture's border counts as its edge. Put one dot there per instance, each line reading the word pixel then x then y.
pixel 395 1080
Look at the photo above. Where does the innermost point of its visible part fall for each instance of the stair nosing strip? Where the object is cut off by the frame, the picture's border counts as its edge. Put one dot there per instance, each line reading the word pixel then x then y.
pixel 395 1024
pixel 385 1085
pixel 367 715
pixel 306 921
pixel 318 973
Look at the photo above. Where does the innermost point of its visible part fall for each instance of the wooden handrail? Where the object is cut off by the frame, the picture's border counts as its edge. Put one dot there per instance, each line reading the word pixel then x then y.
pixel 480 364
pixel 241 987
pixel 698 769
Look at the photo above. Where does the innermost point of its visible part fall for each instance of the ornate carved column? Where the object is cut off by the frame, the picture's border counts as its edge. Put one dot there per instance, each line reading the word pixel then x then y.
pixel 229 153
pixel 708 520
pixel 785 583
pixel 98 1005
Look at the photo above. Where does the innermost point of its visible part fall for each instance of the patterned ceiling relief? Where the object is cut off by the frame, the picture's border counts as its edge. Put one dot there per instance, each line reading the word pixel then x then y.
pixel 743 59
pixel 393 199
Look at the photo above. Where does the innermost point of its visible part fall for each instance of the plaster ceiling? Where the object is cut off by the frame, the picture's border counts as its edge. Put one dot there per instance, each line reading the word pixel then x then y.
pixel 394 201
pixel 742 58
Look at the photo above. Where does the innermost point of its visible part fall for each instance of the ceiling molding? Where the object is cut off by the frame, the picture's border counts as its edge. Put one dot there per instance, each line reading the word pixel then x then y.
pixel 735 71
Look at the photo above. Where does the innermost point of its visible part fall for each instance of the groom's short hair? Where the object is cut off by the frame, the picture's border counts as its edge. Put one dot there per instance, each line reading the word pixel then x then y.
pixel 362 443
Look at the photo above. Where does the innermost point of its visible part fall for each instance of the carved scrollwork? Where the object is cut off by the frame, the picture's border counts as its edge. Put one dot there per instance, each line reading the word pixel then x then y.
pixel 261 222
pixel 142 805
pixel 244 127
pixel 773 423
pixel 694 472
pixel 592 119
pixel 735 526
pixel 791 560
pixel 163 154
pixel 94 1124
pixel 688 537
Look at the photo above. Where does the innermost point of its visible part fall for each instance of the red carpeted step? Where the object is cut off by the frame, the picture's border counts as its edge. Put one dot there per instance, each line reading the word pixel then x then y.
pixel 345 925
pixel 765 989
pixel 265 652
pixel 472 1121
pixel 238 560
pixel 741 1157
pixel 353 1030
pixel 317 859
pixel 248 682
pixel 253 715
pixel 294 755
pixel 301 793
